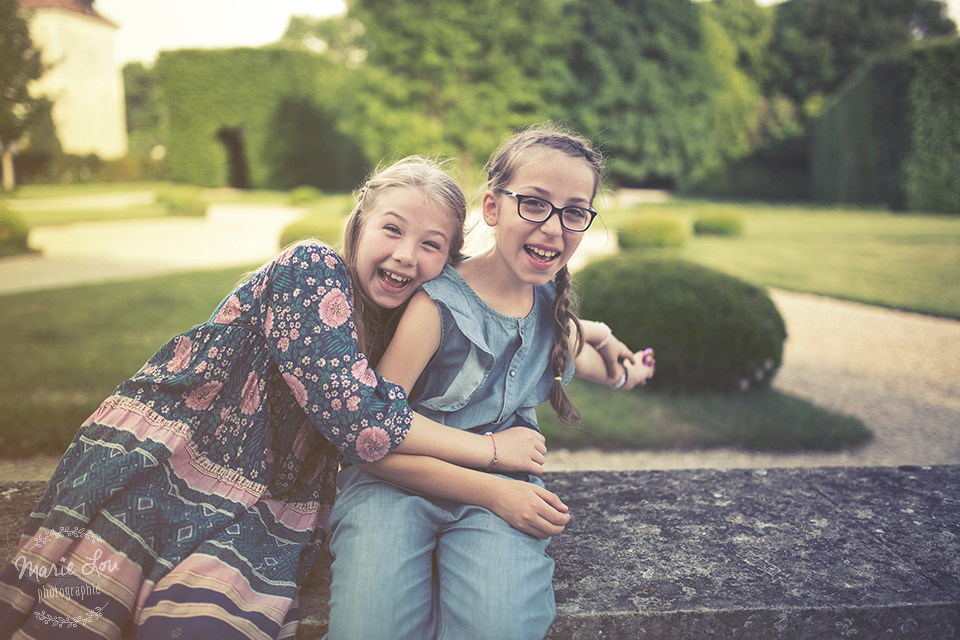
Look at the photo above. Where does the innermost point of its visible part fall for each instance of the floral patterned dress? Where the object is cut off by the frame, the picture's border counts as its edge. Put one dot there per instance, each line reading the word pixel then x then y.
pixel 190 503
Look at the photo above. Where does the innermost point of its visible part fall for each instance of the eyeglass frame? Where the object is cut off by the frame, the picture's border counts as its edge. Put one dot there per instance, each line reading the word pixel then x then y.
pixel 553 209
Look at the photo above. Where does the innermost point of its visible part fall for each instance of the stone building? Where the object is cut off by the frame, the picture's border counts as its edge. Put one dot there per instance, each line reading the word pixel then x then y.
pixel 83 81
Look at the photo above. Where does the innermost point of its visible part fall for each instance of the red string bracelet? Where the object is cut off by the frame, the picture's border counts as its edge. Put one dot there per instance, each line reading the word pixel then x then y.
pixel 495 461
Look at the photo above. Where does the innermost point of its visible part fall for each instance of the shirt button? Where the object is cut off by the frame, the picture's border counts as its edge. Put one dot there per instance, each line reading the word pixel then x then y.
pixel 513 374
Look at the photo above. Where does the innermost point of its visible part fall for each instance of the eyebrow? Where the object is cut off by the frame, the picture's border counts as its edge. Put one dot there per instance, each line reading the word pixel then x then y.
pixel 541 193
pixel 433 232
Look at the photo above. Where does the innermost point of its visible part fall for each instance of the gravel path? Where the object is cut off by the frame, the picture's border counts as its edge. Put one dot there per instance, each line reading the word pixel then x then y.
pixel 898 372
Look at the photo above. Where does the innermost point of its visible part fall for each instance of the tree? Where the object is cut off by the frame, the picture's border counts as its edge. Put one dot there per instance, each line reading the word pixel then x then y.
pixel 20 64
pixel 643 83
pixel 818 44
pixel 143 108
pixel 450 77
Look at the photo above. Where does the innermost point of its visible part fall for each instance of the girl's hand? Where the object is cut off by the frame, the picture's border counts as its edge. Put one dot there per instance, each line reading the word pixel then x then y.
pixel 612 351
pixel 639 368
pixel 530 508
pixel 519 449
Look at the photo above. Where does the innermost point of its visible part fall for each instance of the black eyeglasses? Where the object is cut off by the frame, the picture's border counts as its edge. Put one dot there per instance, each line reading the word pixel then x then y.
pixel 534 209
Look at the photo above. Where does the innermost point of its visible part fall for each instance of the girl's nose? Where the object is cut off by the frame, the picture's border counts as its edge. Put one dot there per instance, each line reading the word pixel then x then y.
pixel 403 252
pixel 551 226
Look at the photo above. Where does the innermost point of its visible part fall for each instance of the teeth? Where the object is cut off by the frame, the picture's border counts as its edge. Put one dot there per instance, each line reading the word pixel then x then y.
pixel 542 252
pixel 395 277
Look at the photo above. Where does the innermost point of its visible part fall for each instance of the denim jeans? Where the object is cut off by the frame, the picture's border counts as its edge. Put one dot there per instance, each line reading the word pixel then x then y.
pixel 411 567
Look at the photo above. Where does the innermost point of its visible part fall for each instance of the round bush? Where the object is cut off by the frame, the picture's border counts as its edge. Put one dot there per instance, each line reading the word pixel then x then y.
pixel 718 224
pixel 13 233
pixel 304 195
pixel 651 230
pixel 710 331
pixel 325 228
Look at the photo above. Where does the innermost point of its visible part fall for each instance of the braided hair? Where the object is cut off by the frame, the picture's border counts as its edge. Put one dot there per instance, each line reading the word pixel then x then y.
pixel 500 170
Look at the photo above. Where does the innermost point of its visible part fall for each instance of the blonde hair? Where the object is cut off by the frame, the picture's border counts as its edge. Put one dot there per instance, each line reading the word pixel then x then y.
pixel 500 170
pixel 375 325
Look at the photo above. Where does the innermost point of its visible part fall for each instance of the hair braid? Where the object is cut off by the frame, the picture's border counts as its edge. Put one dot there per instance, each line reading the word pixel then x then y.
pixel 560 355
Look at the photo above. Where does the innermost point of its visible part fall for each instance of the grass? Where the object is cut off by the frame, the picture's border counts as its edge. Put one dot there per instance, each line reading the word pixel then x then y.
pixel 901 261
pixel 765 420
pixel 171 200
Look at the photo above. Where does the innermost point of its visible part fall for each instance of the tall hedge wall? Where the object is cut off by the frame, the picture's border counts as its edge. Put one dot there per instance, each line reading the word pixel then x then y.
pixel 271 99
pixel 891 136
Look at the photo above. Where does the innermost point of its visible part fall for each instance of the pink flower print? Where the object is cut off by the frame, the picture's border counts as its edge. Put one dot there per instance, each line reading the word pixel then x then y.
pixel 330 261
pixel 250 398
pixel 361 371
pixel 229 312
pixel 299 391
pixel 314 257
pixel 203 396
pixel 294 334
pixel 373 443
pixel 284 344
pixel 353 403
pixel 181 354
pixel 334 308
pixel 335 404
pixel 268 321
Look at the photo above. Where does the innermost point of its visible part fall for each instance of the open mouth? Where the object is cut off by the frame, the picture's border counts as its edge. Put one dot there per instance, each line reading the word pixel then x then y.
pixel 393 280
pixel 541 255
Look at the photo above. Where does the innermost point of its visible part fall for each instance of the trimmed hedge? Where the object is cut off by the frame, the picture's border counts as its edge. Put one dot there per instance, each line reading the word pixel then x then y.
pixel 718 224
pixel 14 233
pixel 710 331
pixel 891 136
pixel 254 118
pixel 651 230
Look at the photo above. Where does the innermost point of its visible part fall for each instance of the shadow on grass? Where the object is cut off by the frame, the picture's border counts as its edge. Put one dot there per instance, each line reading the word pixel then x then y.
pixel 766 420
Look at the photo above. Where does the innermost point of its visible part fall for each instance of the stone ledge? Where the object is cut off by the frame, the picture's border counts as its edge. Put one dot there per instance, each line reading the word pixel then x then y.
pixel 823 553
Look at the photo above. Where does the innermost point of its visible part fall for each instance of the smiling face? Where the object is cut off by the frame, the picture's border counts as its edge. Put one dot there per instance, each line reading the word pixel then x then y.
pixel 404 242
pixel 535 252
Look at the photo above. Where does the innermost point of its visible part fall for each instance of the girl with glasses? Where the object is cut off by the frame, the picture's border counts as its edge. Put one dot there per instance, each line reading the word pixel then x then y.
pixel 425 549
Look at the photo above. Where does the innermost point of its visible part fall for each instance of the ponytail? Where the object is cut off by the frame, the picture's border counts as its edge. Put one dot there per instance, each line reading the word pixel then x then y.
pixel 560 355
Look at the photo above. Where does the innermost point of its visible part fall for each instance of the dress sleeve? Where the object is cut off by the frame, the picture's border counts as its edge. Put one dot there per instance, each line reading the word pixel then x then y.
pixel 307 311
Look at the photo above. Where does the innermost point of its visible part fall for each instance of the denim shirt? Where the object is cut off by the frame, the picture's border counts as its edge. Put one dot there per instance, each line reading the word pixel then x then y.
pixel 491 370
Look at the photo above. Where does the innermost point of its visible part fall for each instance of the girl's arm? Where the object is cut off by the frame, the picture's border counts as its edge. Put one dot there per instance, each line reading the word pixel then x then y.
pixel 600 359
pixel 414 343
pixel 523 505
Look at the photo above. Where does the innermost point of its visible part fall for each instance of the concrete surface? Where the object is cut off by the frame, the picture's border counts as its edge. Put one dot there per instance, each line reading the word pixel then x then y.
pixel 781 554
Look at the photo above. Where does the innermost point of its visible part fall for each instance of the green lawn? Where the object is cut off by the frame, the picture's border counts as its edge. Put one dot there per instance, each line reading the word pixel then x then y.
pixel 902 261
pixel 171 200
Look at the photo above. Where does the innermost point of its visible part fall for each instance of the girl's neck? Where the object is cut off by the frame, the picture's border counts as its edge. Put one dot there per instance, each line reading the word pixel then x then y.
pixel 497 285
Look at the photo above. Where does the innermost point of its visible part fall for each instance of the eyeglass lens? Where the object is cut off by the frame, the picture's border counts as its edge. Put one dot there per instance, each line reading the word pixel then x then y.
pixel 537 210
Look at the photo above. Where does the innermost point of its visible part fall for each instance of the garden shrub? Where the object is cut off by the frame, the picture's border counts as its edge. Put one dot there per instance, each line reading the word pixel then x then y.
pixel 718 223
pixel 13 233
pixel 183 201
pixel 327 228
pixel 651 230
pixel 710 331
pixel 304 194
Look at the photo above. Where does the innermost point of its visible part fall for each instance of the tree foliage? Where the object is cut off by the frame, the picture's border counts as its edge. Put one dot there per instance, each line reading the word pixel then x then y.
pixel 143 107
pixel 20 64
pixel 455 75
pixel 818 44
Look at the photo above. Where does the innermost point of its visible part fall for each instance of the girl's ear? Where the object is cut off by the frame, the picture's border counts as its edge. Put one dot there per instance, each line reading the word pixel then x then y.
pixel 490 208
